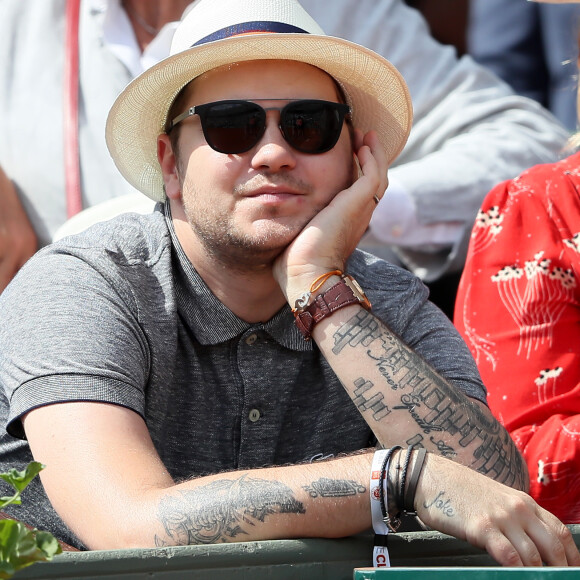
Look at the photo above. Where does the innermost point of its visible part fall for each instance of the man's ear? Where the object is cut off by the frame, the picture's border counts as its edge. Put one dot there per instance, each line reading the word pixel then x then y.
pixel 168 164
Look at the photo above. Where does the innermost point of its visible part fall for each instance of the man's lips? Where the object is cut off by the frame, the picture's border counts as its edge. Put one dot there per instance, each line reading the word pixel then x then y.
pixel 273 194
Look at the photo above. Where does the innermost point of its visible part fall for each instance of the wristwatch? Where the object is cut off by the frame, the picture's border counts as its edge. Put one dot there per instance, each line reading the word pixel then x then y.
pixel 343 293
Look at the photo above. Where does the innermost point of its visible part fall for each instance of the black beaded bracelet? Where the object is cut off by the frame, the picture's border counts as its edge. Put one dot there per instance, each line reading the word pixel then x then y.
pixel 409 496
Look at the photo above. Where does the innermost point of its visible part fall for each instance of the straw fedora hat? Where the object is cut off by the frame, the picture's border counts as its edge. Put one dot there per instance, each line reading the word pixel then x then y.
pixel 218 32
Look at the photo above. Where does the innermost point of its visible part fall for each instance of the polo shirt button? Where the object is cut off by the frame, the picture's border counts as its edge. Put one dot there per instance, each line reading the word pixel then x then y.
pixel 251 339
pixel 254 415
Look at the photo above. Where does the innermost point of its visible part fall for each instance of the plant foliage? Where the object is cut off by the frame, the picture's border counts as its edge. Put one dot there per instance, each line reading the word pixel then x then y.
pixel 19 545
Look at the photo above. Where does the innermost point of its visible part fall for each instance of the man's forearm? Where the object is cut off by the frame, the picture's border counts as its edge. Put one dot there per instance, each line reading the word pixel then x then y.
pixel 323 499
pixel 406 402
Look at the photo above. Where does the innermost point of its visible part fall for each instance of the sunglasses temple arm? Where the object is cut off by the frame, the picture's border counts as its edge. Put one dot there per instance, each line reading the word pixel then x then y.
pixel 190 112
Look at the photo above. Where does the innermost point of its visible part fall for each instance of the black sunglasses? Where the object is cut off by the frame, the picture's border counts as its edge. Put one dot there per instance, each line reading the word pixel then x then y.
pixel 309 126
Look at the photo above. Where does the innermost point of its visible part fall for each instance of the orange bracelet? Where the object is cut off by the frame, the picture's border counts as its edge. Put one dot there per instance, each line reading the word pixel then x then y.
pixel 322 279
pixel 302 300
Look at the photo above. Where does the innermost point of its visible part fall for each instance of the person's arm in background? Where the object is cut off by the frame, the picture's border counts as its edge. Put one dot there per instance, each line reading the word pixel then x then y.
pixel 17 238
pixel 518 309
pixel 470 132
pixel 514 53
pixel 537 58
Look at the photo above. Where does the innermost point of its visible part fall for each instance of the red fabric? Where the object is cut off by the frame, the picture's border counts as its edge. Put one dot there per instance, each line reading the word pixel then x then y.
pixel 72 168
pixel 518 308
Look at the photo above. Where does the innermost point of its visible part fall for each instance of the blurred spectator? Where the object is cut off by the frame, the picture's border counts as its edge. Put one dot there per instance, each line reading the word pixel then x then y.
pixel 518 308
pixel 532 46
pixel 447 20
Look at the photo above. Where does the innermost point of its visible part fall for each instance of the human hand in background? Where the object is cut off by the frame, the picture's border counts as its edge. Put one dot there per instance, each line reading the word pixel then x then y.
pixel 17 238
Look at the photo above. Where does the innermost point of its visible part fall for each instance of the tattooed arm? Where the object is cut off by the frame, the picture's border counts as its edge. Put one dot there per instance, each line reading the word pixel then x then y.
pixel 401 397
pixel 282 502
pixel 106 481
pixel 406 402
pixel 506 522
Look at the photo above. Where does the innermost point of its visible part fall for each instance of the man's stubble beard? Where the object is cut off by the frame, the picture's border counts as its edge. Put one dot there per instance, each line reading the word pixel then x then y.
pixel 236 250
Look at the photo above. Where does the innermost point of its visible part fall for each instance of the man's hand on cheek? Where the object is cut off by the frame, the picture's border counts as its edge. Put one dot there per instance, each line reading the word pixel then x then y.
pixel 333 234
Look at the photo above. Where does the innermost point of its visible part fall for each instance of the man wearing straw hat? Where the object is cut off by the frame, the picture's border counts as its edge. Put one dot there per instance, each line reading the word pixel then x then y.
pixel 183 374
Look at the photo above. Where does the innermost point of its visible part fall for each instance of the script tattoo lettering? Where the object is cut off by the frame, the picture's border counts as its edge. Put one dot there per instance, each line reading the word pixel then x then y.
pixel 444 506
pixel 443 448
pixel 409 403
pixel 223 510
pixel 326 487
pixel 434 404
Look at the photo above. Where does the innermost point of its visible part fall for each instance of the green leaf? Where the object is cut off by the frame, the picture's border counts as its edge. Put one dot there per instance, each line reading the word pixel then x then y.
pixel 21 547
pixel 19 480
pixel 48 544
pixel 6 570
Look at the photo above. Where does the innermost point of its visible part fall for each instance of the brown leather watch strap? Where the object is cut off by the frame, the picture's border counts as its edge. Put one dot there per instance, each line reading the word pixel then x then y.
pixel 337 296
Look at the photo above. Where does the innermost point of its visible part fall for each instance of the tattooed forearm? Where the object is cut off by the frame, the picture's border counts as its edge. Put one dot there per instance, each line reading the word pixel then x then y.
pixel 436 406
pixel 360 329
pixel 326 487
pixel 222 510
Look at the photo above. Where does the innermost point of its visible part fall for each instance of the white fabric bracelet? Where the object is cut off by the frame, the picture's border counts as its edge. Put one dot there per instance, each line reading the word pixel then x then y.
pixel 380 551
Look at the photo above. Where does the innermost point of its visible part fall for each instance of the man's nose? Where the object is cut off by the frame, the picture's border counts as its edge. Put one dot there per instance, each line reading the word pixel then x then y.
pixel 272 150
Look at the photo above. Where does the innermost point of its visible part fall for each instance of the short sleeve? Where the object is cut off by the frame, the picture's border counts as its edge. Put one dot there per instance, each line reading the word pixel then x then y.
pixel 69 333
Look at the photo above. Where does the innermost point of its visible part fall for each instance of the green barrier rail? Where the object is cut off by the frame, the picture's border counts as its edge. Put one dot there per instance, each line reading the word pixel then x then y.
pixel 316 559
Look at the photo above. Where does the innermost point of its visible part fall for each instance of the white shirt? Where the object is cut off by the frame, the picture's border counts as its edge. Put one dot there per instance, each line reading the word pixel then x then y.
pixel 119 35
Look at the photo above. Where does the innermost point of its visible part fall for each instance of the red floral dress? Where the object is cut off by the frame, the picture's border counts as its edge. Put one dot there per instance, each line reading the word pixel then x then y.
pixel 518 308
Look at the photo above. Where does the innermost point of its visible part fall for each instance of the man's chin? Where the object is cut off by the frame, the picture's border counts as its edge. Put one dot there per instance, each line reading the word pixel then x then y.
pixel 274 235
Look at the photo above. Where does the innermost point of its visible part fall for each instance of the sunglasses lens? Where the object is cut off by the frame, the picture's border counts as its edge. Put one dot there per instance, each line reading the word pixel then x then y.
pixel 233 127
pixel 313 126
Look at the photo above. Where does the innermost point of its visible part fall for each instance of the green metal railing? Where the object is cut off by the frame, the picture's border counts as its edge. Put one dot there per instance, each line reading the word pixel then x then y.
pixel 305 559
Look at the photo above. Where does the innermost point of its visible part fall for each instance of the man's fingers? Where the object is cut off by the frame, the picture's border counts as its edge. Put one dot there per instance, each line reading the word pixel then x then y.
pixel 499 547
pixel 380 157
pixel 535 544
pixel 532 549
pixel 555 541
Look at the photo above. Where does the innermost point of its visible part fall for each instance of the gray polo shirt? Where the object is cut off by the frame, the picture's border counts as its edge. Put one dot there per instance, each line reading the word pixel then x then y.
pixel 118 314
